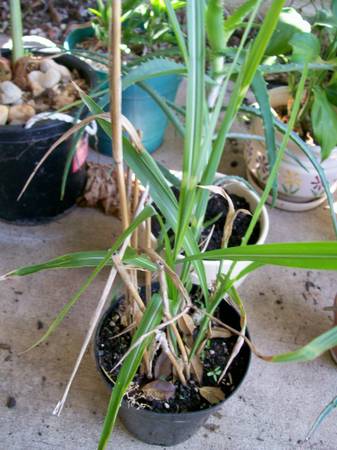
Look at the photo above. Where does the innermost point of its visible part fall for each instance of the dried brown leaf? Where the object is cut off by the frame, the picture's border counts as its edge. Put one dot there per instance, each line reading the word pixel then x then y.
pixel 159 390
pixel 162 367
pixel 218 332
pixel 186 325
pixel 197 368
pixel 212 394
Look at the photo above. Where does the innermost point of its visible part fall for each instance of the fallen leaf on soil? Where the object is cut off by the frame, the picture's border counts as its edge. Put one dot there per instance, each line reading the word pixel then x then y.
pixel 197 368
pixel 159 390
pixel 163 366
pixel 212 394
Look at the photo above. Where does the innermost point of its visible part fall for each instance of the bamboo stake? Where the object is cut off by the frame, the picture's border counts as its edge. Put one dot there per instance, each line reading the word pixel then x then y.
pixel 115 106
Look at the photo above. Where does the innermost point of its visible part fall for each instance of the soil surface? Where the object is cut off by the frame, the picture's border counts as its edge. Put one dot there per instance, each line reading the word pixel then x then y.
pixel 186 398
pixel 218 207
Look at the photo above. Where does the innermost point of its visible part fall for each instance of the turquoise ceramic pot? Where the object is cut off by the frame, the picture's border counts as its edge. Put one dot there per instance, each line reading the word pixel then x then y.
pixel 137 105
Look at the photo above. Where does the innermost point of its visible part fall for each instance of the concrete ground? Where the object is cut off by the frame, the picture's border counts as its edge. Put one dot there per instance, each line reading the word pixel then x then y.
pixel 273 409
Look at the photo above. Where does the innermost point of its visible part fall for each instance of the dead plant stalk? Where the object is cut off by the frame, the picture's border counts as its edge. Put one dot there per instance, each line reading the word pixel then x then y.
pixel 115 108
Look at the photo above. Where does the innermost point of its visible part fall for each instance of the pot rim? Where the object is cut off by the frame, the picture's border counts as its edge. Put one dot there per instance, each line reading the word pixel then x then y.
pixel 249 194
pixel 155 413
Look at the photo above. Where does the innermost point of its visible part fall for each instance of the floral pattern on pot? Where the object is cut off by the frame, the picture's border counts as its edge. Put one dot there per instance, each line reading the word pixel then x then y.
pixel 290 181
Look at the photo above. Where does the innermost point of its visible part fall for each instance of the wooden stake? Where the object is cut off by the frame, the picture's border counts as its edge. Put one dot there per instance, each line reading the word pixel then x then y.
pixel 115 106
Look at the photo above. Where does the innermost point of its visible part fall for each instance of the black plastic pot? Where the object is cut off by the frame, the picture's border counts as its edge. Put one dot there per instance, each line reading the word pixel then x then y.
pixel 21 150
pixel 169 429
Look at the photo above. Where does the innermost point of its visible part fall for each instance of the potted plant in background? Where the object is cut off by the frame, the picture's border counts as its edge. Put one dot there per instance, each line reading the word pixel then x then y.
pixel 299 186
pixel 29 86
pixel 167 333
pixel 146 34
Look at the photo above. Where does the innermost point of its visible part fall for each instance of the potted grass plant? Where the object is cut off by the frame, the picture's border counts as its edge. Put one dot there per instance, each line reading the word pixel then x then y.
pixel 30 87
pixel 299 186
pixel 146 35
pixel 155 345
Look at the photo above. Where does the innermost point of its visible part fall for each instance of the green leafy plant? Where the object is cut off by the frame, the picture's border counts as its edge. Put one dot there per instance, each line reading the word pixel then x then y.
pixel 145 25
pixel 204 130
pixel 312 41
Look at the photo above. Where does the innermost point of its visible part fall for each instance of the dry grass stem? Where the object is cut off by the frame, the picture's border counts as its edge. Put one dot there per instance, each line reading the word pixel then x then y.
pixel 167 313
pixel 115 105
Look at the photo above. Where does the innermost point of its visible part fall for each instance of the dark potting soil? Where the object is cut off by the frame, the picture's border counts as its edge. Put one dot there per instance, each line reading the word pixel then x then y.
pixel 186 398
pixel 218 206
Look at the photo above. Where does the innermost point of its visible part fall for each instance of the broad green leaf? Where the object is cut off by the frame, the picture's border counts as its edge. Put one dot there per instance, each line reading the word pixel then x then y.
pixel 331 90
pixel 310 351
pixel 324 122
pixel 150 320
pixel 305 255
pixel 290 22
pixel 306 47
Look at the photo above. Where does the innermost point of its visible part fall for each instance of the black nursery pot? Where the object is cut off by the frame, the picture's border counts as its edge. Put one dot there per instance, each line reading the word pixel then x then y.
pixel 167 429
pixel 21 150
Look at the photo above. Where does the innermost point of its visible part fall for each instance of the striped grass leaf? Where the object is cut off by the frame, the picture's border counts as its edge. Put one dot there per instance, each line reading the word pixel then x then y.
pixel 303 255
pixel 80 260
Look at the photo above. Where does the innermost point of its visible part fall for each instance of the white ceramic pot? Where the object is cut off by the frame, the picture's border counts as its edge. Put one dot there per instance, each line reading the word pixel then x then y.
pixel 212 267
pixel 296 184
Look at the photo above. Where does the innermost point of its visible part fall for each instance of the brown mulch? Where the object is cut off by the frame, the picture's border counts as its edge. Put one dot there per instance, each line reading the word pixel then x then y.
pixel 48 18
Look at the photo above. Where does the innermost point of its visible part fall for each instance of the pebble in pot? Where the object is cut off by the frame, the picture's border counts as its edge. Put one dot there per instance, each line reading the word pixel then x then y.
pixel 20 114
pixel 9 93
pixel 4 110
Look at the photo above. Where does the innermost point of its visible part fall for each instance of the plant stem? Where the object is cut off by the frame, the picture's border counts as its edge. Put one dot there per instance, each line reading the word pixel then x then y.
pixel 16 30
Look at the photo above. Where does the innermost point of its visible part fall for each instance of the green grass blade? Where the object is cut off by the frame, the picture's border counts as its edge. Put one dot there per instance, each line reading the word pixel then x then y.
pixel 177 30
pixel 310 351
pixel 151 69
pixel 162 103
pixel 305 255
pixel 259 87
pixel 150 320
pixel 80 260
pixel 330 407
pixel 195 104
